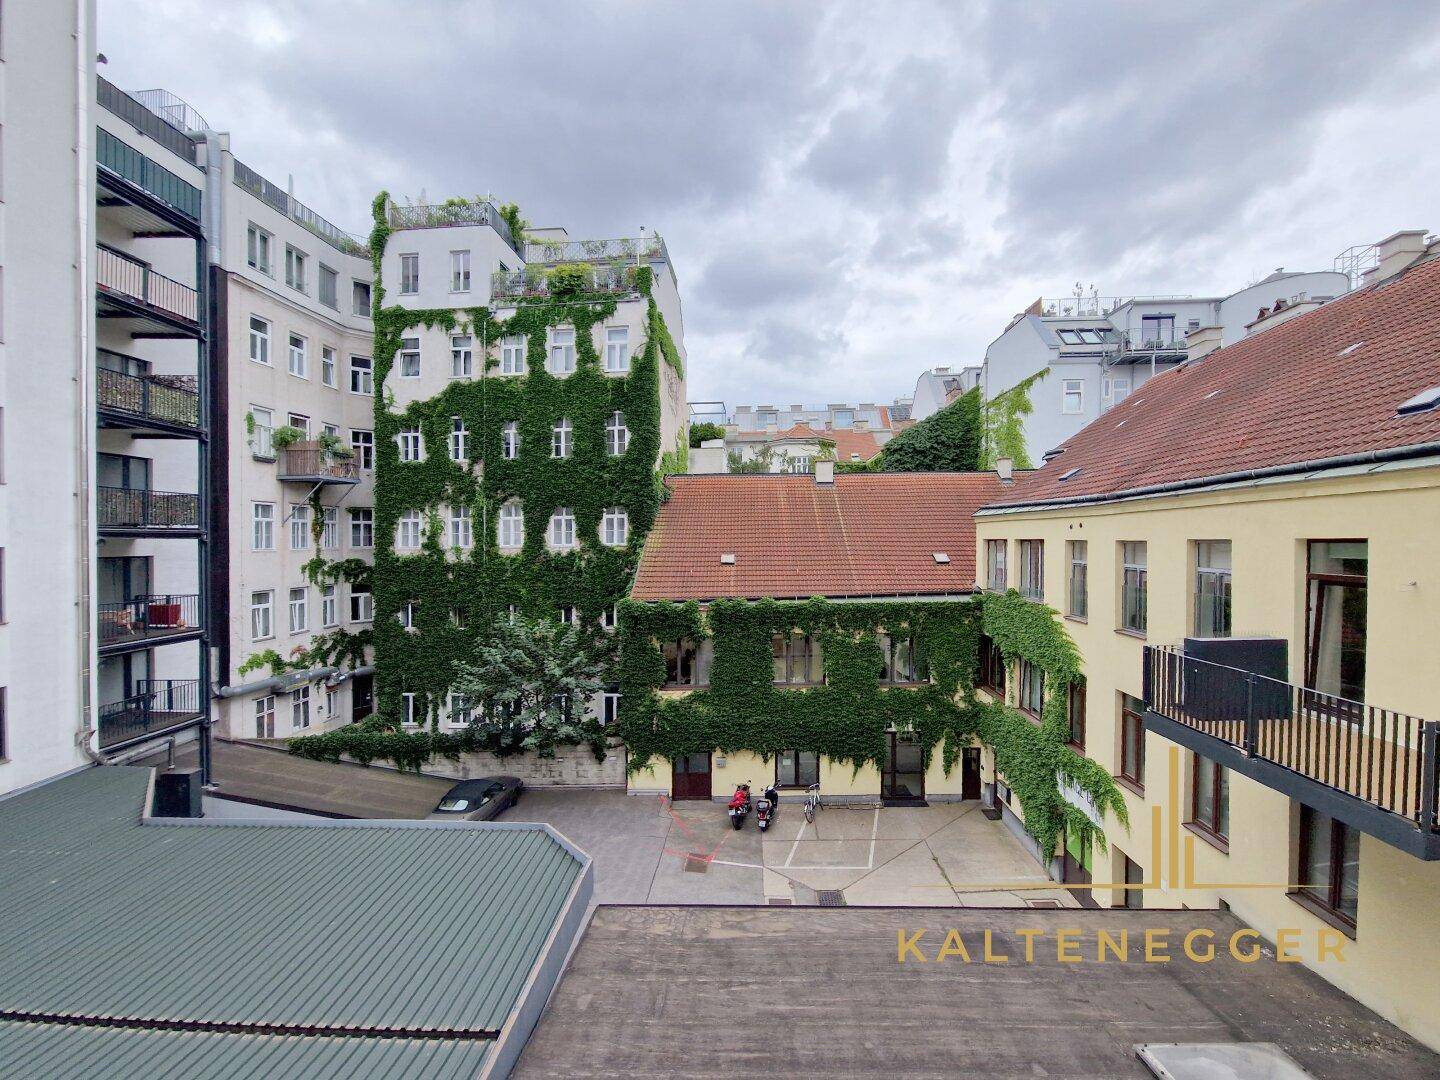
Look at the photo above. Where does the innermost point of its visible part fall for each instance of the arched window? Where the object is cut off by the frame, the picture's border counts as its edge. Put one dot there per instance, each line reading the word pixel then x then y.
pixel 617 435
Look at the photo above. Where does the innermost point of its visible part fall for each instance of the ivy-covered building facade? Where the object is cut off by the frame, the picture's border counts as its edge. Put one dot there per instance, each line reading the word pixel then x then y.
pixel 528 391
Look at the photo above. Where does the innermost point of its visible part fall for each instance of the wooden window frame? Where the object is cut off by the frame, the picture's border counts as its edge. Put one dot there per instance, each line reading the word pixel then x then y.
pixel 1210 829
pixel 1073 693
pixel 1134 777
pixel 1328 908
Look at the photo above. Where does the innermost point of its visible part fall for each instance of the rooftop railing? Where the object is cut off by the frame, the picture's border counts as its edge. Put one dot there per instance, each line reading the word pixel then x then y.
pixel 622 250
pixel 278 198
pixel 452 212
pixel 132 278
pixel 145 120
pixel 1094 307
pixel 172 399
pixel 533 282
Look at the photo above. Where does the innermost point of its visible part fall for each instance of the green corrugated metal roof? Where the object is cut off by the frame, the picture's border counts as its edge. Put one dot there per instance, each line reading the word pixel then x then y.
pixel 352 926
pixel 74 1052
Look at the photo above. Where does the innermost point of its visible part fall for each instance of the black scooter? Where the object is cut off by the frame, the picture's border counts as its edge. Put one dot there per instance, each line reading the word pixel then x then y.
pixel 766 807
pixel 739 805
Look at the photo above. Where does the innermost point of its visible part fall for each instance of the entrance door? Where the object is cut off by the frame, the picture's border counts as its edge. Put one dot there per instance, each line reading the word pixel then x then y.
pixel 690 777
pixel 362 697
pixel 903 779
pixel 970 772
pixel 1075 870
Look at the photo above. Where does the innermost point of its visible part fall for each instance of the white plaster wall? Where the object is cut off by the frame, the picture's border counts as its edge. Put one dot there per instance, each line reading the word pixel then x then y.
pixel 433 245
pixel 1241 307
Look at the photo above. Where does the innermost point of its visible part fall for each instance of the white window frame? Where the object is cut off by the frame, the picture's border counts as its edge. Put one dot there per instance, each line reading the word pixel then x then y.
pixel 1072 388
pixel 617 350
pixel 333 303
pixel 462 356
pixel 257 239
pixel 615 527
pixel 458 705
pixel 562 438
pixel 512 355
pixel 460 271
pixel 299 526
pixel 300 708
pixel 362 527
pixel 411 444
pixel 298 357
pixel 560 355
pixel 409 615
pixel 1119 389
pixel 327 366
pixel 510 526
pixel 366 373
pixel 295 264
pixel 610 617
pixel 561 533
pixel 409 273
pixel 299 607
pixel 330 531
pixel 329 606
pixel 459 440
pixel 264 430
pixel 262 526
pixel 362 605
pixel 617 435
pixel 409 531
pixel 510 441
pixel 462 530
pixel 265 716
pixel 332 702
pixel 408 710
pixel 262 614
pixel 409 358
pixel 260 340
pixel 362 445
pixel 609 708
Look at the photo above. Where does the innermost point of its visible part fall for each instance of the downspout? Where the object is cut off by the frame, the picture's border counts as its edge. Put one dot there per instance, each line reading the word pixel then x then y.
pixel 84 299
pixel 334 677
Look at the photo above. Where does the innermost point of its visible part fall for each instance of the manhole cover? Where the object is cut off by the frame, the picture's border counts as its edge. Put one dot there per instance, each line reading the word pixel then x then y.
pixel 1043 903
pixel 696 863
pixel 831 897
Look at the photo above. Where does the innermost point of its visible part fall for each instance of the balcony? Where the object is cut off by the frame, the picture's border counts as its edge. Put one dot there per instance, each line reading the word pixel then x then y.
pixel 142 511
pixel 1372 768
pixel 1164 343
pixel 161 402
pixel 129 289
pixel 626 251
pixel 159 705
pixel 533 282
pixel 450 213
pixel 148 620
pixel 314 463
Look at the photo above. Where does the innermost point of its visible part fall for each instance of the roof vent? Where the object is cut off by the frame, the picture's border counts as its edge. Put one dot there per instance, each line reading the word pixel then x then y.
pixel 1350 349
pixel 1421 402
pixel 1211 394
pixel 727 559
pixel 941 557
pixel 1071 472
pixel 1120 424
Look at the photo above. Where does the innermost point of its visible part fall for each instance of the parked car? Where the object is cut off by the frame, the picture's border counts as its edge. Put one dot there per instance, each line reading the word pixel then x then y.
pixel 482 799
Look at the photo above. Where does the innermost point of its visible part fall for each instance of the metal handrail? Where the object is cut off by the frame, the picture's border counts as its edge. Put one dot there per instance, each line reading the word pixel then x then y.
pixel 624 249
pixel 121 274
pixel 149 616
pixel 144 508
pixel 158 704
pixel 454 212
pixel 277 198
pixel 172 398
pixel 534 281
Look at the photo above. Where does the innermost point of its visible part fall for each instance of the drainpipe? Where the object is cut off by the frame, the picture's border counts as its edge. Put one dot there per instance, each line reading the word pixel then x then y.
pixel 292 679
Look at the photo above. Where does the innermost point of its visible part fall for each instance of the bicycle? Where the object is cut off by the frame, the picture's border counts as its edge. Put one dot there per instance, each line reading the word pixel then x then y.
pixel 812 803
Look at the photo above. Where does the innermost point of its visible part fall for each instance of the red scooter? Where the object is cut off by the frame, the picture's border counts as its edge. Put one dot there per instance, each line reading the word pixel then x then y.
pixel 739 807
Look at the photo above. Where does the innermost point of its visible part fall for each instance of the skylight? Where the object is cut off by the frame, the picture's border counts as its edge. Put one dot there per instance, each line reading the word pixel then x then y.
pixel 727 559
pixel 1075 471
pixel 1421 402
pixel 1350 349
pixel 941 557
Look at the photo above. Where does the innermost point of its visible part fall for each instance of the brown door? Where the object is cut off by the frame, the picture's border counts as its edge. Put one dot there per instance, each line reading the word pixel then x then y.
pixel 362 697
pixel 903 779
pixel 690 777
pixel 970 772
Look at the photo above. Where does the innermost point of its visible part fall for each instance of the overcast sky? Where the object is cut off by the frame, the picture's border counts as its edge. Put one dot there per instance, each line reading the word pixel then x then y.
pixel 850 192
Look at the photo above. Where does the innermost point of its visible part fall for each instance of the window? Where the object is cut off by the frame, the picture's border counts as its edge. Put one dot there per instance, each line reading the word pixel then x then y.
pixel 461 534
pixel 1078 593
pixel 1032 569
pixel 459 440
pixel 797 768
pixel 462 357
pixel 362 605
pixel 262 432
pixel 798 660
pixel 412 446
pixel 562 351
pixel 996 575
pixel 617 349
pixel 301 421
pixel 295 268
pixel 299 526
pixel 409 275
pixel 327 365
pixel 568 615
pixel 1072 396
pixel 1212 588
pixel 615 527
pixel 409 709
pixel 510 529
pixel 510 441
pixel 1329 866
pixel 844 418
pixel 561 438
pixel 330 529
pixel 617 435
pixel 1134 586
pixel 262 535
pixel 992 667
pixel 407 531
pixel 610 617
pixel 1075 712
pixel 1210 798
pixel 686 662
pixel 1120 390
pixel 1134 875
pixel 265 717
pixel 299 610
pixel 329 606
pixel 410 358
pixel 1336 589
pixel 1157 330
pixel 609 708
pixel 362 527
pixel 329 287
pixel 1032 689
pixel 767 419
pixel 361 375
pixel 362 445
pixel 562 529
pixel 257 247
pixel 800 463
pixel 259 340
pixel 1132 740
pixel 459 271
pixel 512 355
pixel 458 708
pixel 360 298
pixel 262 615
pixel 458 618
pixel 902 662
pixel 409 615
pixel 299 358
pixel 332 701
pixel 300 707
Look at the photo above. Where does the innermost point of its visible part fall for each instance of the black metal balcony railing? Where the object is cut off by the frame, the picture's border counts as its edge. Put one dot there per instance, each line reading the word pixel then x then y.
pixel 314 464
pixel 453 212
pixel 146 617
pixel 157 705
pixel 1382 757
pixel 120 274
pixel 142 508
pixel 1160 339
pixel 173 399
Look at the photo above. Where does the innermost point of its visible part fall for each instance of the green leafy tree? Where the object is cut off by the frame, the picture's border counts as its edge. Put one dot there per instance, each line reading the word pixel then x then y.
pixel 946 441
pixel 701 432
pixel 760 463
pixel 531 680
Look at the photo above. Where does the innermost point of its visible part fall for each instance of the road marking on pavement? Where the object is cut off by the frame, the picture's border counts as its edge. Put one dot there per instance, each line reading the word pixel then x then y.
pixel 874 829
pixel 796 844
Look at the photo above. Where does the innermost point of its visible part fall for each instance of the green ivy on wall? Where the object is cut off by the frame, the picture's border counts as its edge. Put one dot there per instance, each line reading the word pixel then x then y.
pixel 1004 424
pixel 845 719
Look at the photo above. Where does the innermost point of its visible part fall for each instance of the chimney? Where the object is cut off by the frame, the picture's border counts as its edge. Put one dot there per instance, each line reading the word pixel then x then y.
pixel 1202 341
pixel 709 458
pixel 1005 469
pixel 825 472
pixel 1395 252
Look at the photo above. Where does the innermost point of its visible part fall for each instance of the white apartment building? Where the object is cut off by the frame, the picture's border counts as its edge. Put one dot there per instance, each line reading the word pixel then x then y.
pixel 1099 350
pixel 796 436
pixel 939 386
pixel 47 306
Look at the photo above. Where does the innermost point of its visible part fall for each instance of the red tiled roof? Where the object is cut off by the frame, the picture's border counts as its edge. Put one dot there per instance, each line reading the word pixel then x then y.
pixel 867 534
pixel 1324 385
pixel 847 440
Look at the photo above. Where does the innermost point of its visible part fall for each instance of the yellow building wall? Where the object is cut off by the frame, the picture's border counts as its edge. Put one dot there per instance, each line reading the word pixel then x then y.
pixel 1393 963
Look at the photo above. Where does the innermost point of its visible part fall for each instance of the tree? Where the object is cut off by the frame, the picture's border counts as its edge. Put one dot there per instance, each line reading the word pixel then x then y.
pixel 705 430
pixel 946 441
pixel 760 463
pixel 531 680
